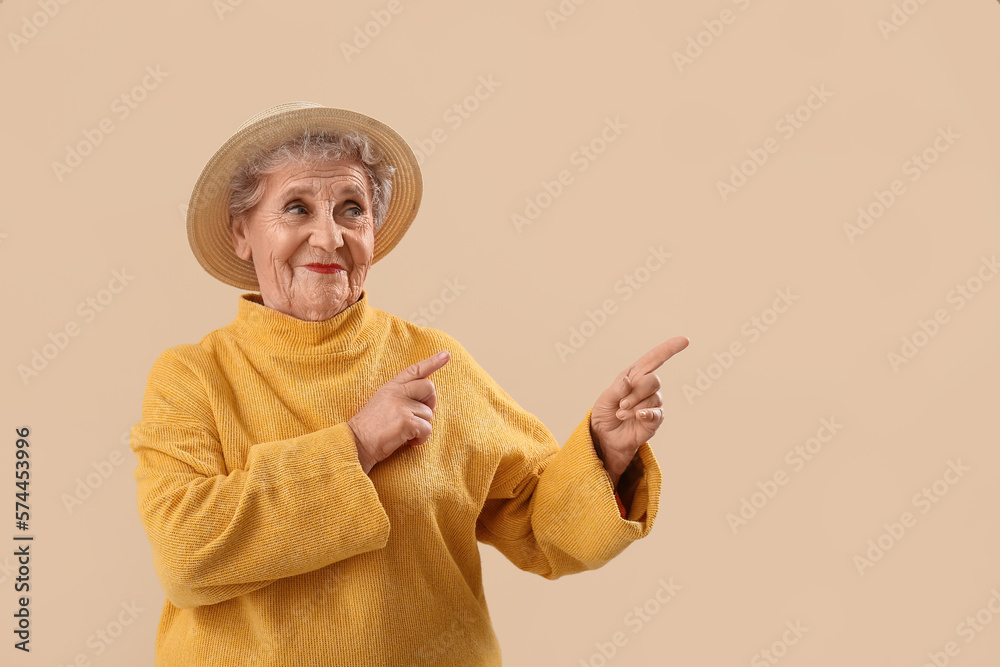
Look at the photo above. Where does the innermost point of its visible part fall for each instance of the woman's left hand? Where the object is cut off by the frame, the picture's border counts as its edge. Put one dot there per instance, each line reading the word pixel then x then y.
pixel 628 412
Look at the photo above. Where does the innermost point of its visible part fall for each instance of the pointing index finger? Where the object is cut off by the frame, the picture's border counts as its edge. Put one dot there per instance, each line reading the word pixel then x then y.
pixel 424 368
pixel 653 359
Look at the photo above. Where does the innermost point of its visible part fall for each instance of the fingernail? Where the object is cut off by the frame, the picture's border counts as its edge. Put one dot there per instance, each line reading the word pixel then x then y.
pixel 442 355
pixel 625 403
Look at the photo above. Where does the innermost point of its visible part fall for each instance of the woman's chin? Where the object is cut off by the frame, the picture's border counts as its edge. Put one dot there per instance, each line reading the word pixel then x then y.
pixel 322 307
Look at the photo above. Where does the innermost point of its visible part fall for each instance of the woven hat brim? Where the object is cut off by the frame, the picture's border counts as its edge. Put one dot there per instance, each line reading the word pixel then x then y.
pixel 208 210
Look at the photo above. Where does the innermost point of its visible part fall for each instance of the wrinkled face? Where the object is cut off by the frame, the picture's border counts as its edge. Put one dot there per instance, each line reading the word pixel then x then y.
pixel 311 237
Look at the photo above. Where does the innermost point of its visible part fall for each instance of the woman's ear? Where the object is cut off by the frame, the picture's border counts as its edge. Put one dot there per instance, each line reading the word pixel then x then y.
pixel 240 242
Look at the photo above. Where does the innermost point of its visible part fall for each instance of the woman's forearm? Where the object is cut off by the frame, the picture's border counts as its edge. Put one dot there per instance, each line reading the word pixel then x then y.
pixel 299 505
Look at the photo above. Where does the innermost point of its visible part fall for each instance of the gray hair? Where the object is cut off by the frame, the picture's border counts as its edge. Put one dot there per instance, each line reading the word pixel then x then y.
pixel 248 184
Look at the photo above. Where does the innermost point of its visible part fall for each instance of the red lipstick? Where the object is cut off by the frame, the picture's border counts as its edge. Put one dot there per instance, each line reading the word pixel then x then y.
pixel 324 268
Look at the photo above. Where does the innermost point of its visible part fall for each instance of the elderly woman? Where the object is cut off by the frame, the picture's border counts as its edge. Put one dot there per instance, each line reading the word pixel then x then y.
pixel 314 476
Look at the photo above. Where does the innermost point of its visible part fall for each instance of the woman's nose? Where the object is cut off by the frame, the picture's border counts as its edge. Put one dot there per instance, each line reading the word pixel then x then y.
pixel 326 233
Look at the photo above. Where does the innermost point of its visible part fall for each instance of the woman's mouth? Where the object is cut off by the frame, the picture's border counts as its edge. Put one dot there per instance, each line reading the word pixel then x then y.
pixel 324 268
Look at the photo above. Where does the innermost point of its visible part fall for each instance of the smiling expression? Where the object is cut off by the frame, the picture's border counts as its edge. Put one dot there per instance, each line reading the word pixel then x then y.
pixel 311 238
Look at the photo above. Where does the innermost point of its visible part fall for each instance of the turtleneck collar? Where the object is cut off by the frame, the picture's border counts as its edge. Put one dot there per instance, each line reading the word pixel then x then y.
pixel 269 329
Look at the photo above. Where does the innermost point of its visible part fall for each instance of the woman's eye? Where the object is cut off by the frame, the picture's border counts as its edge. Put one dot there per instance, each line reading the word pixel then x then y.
pixel 295 208
pixel 355 212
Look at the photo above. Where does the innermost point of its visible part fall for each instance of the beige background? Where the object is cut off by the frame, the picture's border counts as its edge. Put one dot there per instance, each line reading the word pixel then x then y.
pixel 656 185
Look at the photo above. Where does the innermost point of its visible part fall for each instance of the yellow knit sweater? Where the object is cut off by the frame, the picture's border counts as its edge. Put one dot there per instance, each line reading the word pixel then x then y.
pixel 275 548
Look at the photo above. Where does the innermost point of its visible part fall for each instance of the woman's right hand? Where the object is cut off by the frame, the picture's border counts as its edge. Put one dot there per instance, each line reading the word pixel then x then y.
pixel 398 413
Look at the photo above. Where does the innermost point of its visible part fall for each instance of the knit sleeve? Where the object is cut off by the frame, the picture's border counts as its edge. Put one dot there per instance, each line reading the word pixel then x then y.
pixel 551 510
pixel 299 505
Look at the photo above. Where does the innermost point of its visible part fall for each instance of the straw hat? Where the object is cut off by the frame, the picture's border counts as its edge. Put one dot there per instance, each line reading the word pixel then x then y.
pixel 208 211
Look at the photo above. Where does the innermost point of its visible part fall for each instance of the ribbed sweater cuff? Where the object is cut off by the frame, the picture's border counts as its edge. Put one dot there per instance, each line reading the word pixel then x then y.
pixel 576 505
